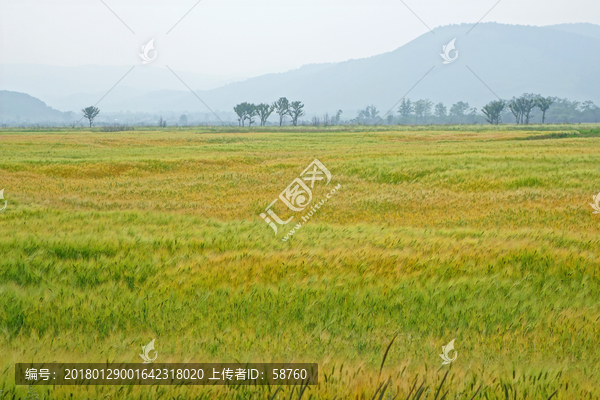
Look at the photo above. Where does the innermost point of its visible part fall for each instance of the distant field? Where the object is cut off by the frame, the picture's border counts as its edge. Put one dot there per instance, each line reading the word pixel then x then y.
pixel 478 233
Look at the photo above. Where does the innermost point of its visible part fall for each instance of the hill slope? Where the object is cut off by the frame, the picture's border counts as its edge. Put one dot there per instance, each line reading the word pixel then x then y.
pixel 585 29
pixel 509 59
pixel 493 59
pixel 18 107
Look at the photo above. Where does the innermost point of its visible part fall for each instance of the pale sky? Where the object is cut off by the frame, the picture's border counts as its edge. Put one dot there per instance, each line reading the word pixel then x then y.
pixel 246 37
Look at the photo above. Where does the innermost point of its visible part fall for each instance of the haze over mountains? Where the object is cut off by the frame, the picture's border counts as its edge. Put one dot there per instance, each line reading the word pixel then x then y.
pixel 64 88
pixel 493 59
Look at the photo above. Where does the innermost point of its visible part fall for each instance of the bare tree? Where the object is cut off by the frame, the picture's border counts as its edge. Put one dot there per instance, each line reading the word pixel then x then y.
pixel 90 113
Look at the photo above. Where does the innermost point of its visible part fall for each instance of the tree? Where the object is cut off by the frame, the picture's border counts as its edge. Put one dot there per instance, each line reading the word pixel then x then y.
pixel 251 112
pixel 423 109
pixel 264 111
pixel 369 114
pixel 493 110
pixel 406 108
pixel 338 116
pixel 161 122
pixel 440 110
pixel 565 110
pixel 472 115
pixel 245 111
pixel 590 111
pixel 183 120
pixel 516 107
pixel 528 103
pixel 588 106
pixel 282 107
pixel 296 111
pixel 459 109
pixel 372 112
pixel 90 113
pixel 240 110
pixel 544 103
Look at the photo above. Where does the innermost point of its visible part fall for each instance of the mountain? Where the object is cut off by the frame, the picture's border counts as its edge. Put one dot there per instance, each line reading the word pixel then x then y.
pixel 493 59
pixel 585 29
pixel 69 88
pixel 22 108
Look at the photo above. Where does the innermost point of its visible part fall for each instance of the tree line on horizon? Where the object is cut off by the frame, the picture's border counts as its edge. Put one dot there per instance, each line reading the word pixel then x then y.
pixel 521 109
pixel 283 107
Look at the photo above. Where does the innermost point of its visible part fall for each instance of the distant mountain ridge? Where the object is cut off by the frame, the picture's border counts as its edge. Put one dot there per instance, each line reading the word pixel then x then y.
pixel 493 59
pixel 22 108
pixel 585 29
pixel 67 88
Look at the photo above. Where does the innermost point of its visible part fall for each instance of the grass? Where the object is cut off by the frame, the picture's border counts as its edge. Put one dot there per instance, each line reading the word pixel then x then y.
pixel 470 232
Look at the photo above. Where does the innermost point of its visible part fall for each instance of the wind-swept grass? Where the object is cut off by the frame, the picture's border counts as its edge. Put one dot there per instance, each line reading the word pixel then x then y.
pixel 112 239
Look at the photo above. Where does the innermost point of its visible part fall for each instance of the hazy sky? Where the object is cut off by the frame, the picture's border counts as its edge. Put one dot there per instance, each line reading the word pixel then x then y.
pixel 246 37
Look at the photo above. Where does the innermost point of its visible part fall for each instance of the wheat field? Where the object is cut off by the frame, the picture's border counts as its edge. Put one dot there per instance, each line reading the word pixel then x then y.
pixel 476 233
